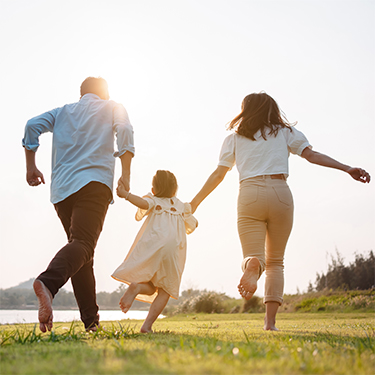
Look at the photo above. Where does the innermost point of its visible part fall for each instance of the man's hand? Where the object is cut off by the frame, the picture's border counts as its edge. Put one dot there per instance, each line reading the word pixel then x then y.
pixel 359 174
pixel 125 181
pixel 126 160
pixel 121 190
pixel 34 177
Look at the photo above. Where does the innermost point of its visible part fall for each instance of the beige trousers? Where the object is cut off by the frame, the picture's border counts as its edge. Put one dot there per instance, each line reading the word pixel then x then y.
pixel 265 219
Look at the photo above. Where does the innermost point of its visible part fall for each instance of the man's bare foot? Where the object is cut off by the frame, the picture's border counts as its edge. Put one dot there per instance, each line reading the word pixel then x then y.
pixel 94 328
pixel 127 299
pixel 248 282
pixel 45 314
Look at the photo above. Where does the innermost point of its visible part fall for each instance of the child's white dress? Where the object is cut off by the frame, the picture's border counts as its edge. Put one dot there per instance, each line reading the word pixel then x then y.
pixel 158 253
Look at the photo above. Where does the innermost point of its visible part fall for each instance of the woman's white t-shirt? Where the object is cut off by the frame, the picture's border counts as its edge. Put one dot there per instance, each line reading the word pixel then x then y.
pixel 262 157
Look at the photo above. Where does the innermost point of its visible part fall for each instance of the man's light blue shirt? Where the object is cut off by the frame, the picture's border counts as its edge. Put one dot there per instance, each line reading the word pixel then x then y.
pixel 83 142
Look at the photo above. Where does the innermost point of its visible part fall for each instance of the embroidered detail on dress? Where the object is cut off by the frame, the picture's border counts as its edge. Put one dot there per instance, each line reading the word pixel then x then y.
pixel 172 201
pixel 173 209
pixel 158 207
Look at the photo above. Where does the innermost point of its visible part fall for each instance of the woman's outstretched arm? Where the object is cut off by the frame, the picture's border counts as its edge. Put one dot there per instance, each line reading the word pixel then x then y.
pixel 212 182
pixel 326 161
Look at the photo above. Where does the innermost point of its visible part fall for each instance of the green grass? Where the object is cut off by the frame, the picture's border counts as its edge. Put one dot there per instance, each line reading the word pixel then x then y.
pixel 197 344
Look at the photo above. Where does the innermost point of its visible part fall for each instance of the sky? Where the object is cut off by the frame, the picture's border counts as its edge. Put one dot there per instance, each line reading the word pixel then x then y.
pixel 181 69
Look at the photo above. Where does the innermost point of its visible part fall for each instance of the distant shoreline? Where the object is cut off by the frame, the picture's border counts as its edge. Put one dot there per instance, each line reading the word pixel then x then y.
pixel 60 308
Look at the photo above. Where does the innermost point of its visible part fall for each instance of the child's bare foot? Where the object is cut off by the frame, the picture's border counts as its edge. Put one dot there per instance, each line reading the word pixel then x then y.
pixel 127 299
pixel 44 296
pixel 146 329
pixel 248 282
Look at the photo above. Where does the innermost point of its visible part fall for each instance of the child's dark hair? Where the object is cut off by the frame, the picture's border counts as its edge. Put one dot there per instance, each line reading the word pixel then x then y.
pixel 164 184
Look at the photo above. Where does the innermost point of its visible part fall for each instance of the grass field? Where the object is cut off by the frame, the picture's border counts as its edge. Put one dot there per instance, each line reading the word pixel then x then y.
pixel 309 343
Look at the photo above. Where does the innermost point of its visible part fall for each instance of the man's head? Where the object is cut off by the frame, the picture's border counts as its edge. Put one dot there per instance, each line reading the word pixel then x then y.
pixel 97 86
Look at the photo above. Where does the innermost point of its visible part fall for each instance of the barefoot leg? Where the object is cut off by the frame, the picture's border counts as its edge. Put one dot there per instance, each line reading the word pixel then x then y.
pixel 44 296
pixel 127 299
pixel 270 318
pixel 248 282
pixel 155 310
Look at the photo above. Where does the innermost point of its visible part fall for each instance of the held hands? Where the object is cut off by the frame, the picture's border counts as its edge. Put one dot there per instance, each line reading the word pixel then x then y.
pixel 359 174
pixel 34 177
pixel 125 181
pixel 122 189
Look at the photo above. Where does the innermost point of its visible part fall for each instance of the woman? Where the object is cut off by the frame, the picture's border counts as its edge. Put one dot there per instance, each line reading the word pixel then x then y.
pixel 260 147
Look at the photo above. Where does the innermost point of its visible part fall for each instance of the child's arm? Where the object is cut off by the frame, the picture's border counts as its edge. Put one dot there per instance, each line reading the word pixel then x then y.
pixel 132 198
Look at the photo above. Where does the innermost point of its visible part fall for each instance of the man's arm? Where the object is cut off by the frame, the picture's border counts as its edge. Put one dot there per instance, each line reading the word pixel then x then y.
pixel 126 160
pixel 33 176
pixel 125 142
pixel 33 129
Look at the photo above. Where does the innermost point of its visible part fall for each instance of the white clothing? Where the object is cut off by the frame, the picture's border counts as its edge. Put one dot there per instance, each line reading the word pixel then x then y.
pixel 158 253
pixel 262 157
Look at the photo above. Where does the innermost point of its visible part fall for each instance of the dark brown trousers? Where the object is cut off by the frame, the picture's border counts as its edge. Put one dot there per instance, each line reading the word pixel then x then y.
pixel 82 215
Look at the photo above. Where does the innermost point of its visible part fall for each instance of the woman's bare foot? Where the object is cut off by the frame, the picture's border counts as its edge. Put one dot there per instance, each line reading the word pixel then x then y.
pixel 270 318
pixel 269 326
pixel 248 282
pixel 45 312
pixel 127 299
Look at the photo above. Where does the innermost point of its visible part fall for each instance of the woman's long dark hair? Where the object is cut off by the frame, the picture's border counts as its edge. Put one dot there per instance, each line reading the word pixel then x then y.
pixel 259 112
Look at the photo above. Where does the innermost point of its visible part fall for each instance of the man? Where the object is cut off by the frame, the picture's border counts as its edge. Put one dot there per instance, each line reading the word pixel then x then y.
pixel 83 162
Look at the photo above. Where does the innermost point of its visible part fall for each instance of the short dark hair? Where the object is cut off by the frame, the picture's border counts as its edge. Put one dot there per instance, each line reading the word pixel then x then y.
pixel 164 184
pixel 95 85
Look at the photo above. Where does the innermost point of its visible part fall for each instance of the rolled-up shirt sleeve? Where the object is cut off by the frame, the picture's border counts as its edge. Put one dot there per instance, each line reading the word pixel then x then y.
pixel 227 156
pixel 297 141
pixel 36 126
pixel 123 130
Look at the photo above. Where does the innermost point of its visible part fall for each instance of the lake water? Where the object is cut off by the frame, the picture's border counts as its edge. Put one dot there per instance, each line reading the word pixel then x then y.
pixel 31 316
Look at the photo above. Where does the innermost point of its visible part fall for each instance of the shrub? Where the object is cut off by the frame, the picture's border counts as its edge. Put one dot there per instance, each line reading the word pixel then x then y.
pixel 208 302
pixel 202 302
pixel 253 305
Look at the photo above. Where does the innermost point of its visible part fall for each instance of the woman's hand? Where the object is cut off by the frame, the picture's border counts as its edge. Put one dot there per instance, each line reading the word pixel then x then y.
pixel 359 174
pixel 326 161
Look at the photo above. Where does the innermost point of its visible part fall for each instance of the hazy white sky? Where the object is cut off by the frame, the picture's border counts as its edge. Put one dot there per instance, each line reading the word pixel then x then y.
pixel 182 68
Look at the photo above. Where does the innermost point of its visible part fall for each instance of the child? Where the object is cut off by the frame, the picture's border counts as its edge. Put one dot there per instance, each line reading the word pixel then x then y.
pixel 156 260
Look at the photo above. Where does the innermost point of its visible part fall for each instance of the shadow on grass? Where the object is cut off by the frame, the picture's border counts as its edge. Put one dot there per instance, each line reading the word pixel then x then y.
pixel 203 340
pixel 26 334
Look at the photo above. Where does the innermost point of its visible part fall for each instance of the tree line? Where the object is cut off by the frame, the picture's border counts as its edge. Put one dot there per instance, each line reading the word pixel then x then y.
pixel 358 275
pixel 19 298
